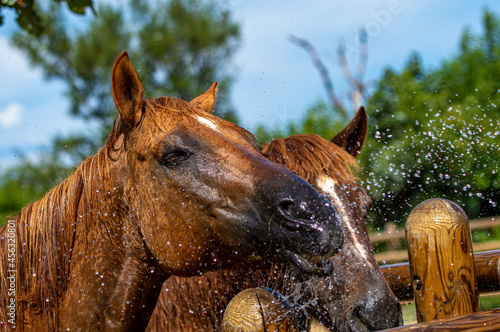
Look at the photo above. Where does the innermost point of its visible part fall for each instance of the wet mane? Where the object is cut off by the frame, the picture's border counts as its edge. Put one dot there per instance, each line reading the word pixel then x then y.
pixel 310 157
pixel 45 234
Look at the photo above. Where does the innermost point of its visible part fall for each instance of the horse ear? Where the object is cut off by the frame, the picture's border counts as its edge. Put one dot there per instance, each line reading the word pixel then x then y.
pixel 352 137
pixel 206 101
pixel 127 90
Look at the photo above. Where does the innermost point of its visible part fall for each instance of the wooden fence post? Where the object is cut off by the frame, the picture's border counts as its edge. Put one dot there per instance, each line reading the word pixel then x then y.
pixel 441 261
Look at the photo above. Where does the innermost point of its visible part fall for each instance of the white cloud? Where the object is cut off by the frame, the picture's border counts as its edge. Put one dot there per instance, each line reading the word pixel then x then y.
pixel 11 115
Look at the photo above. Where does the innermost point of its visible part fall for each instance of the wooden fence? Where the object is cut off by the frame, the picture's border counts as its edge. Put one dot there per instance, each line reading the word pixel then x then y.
pixel 477 322
pixel 444 276
pixel 487 268
pixel 394 238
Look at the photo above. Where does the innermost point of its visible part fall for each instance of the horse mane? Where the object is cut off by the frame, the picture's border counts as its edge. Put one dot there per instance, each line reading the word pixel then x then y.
pixel 45 232
pixel 310 156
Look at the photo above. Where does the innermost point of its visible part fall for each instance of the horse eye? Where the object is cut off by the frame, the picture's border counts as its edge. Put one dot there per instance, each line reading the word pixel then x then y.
pixel 174 157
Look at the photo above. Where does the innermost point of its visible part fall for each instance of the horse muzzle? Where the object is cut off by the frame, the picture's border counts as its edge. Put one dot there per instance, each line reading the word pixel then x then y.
pixel 383 312
pixel 305 230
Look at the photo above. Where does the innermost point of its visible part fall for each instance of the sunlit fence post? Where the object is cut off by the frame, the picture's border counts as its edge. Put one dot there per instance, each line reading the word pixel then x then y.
pixel 441 261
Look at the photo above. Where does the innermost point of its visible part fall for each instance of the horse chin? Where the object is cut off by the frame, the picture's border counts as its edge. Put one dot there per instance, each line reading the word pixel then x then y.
pixel 356 325
pixel 305 267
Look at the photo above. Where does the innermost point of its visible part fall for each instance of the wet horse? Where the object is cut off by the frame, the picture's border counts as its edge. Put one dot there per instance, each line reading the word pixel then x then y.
pixel 354 298
pixel 174 191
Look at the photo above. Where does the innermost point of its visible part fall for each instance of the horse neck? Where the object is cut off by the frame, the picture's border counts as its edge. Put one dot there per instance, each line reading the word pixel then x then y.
pixel 80 217
pixel 109 253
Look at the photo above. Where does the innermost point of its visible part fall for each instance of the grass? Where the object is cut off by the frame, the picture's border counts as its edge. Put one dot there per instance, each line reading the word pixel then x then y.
pixel 409 315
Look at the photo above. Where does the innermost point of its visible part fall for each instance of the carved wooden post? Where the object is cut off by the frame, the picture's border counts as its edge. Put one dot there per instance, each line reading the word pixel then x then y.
pixel 257 310
pixel 262 310
pixel 441 261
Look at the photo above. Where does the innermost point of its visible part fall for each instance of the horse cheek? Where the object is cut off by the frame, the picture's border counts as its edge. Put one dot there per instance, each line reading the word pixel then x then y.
pixel 175 237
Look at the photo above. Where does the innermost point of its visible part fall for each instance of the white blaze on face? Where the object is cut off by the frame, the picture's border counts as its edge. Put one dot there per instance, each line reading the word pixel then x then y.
pixel 327 185
pixel 207 122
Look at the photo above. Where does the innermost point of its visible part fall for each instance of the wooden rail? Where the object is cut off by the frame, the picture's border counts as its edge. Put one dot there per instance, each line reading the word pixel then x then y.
pixel 399 234
pixel 394 235
pixel 477 322
pixel 487 265
pixel 443 277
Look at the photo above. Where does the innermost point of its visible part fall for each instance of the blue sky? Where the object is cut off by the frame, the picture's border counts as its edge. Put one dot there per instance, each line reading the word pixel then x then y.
pixel 275 80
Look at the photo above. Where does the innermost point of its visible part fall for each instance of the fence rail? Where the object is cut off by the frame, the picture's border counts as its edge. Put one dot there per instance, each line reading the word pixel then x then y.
pixel 393 236
pixel 477 322
pixel 487 265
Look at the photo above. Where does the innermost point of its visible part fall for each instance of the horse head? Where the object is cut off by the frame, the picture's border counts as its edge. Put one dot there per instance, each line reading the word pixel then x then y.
pixel 202 195
pixel 356 296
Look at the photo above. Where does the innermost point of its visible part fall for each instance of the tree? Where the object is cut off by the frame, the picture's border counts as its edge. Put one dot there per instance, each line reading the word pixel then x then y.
pixel 180 47
pixel 322 118
pixel 355 81
pixel 436 131
pixel 27 181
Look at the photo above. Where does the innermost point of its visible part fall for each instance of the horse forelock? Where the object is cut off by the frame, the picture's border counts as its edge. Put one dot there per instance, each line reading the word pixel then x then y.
pixel 165 111
pixel 310 156
pixel 161 115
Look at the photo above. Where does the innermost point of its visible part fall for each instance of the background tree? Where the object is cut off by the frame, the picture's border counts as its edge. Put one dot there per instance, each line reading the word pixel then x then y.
pixel 433 133
pixel 180 46
pixel 436 132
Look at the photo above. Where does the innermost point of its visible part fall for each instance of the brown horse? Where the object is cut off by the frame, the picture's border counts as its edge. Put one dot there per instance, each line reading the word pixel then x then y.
pixel 174 191
pixel 354 298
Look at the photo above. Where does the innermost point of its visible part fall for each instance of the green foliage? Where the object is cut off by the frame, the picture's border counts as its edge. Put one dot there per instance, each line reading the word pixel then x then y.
pixel 26 182
pixel 484 235
pixel 432 133
pixel 490 301
pixel 436 133
pixel 28 15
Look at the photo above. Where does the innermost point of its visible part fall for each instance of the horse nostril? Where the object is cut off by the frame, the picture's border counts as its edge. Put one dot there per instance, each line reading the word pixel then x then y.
pixel 286 206
pixel 292 211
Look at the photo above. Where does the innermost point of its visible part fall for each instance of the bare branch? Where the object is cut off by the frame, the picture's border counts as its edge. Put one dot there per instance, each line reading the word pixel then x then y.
pixel 357 84
pixel 323 71
pixel 363 55
pixel 342 59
